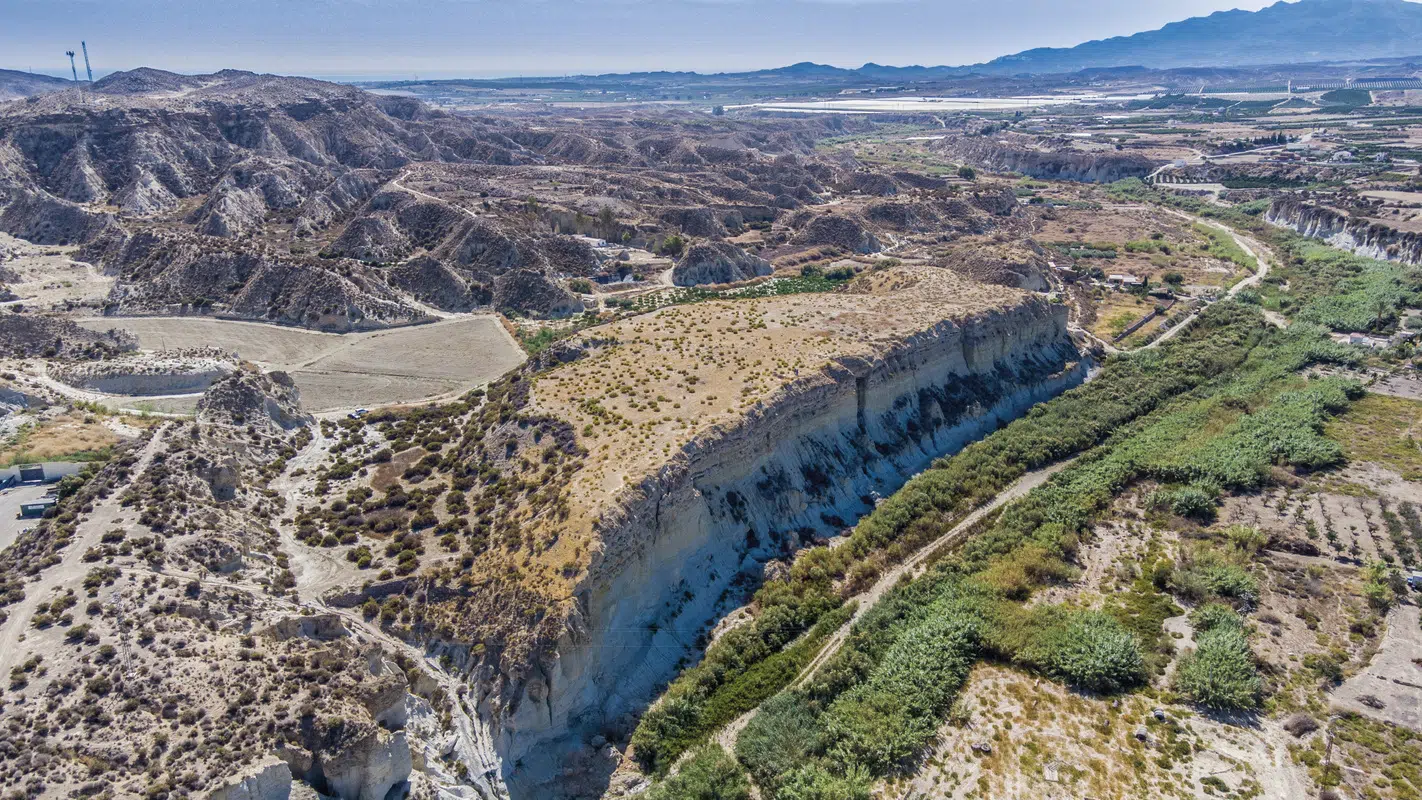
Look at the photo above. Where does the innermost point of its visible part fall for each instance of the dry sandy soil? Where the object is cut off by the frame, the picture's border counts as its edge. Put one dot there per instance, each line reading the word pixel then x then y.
pixel 680 371
pixel 337 372
pixel 47 275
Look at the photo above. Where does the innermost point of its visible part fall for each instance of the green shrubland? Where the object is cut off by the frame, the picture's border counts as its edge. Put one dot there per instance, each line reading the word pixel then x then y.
pixel 1220 672
pixel 709 774
pixel 1214 411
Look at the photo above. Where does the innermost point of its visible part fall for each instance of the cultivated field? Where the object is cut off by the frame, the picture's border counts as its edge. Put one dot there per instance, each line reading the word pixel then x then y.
pixel 355 370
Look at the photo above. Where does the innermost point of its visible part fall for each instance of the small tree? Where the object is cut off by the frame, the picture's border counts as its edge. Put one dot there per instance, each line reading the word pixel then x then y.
pixel 673 246
pixel 967 173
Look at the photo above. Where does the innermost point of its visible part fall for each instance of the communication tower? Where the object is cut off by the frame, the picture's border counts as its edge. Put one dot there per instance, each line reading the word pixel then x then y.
pixel 85 47
pixel 72 68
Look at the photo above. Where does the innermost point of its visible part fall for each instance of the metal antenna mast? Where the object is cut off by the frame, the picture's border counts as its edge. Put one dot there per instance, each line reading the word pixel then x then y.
pixel 85 47
pixel 72 68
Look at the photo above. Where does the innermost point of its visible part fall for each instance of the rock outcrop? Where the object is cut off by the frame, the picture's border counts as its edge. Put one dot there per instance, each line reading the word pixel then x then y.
pixel 435 283
pixel 204 274
pixel 1047 159
pixel 805 463
pixel 534 292
pixel 248 398
pixel 30 336
pixel 1366 238
pixel 718 262
pixel 163 372
pixel 837 230
pixel 270 779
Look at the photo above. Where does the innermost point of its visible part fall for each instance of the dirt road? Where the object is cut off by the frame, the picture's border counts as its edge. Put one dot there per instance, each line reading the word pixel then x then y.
pixel 727 736
pixel 71 569
pixel 1252 249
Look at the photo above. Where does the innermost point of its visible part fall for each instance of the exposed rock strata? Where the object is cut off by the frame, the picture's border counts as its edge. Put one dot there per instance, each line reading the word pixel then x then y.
pixel 1052 161
pixel 1370 239
pixel 718 262
pixel 837 230
pixel 28 336
pixel 809 462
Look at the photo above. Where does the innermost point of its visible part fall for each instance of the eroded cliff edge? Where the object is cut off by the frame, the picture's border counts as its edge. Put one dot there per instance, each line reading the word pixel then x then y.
pixel 1360 236
pixel 673 542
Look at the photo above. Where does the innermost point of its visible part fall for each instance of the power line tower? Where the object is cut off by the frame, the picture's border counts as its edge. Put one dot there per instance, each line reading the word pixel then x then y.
pixel 72 68
pixel 85 47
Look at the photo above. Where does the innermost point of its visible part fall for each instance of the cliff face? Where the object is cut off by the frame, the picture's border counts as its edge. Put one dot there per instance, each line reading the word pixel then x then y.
pixel 1365 238
pixel 808 462
pixel 1026 156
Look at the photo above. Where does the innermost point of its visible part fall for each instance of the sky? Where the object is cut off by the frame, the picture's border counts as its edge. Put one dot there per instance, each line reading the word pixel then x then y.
pixel 486 38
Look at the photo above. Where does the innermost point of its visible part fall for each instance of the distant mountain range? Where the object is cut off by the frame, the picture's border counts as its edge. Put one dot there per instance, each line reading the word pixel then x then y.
pixel 1307 31
pixel 15 84
pixel 1301 32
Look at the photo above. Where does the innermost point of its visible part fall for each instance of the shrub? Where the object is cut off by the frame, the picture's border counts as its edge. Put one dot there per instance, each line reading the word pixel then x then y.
pixel 1088 649
pixel 1245 539
pixel 1203 574
pixel 898 710
pixel 815 782
pixel 709 774
pixel 1191 502
pixel 662 734
pixel 1220 673
pixel 781 737
pixel 1094 652
pixel 1215 615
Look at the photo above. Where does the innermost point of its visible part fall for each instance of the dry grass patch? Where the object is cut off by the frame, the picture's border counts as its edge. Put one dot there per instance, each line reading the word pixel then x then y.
pixel 71 437
pixel 1381 429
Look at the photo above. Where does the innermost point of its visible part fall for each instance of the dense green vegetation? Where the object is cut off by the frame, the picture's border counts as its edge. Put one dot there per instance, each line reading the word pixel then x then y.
pixel 1336 289
pixel 1220 672
pixel 1230 406
pixel 709 774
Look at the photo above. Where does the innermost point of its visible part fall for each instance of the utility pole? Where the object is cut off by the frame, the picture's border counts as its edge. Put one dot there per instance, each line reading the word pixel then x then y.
pixel 85 47
pixel 72 68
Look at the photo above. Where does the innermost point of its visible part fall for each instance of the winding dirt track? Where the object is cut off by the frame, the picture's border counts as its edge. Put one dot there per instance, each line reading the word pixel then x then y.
pixel 71 568
pixel 727 736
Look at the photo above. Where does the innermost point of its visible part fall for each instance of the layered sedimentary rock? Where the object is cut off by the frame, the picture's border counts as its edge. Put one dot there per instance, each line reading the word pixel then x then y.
pixel 675 530
pixel 718 262
pixel 1361 236
pixel 1048 160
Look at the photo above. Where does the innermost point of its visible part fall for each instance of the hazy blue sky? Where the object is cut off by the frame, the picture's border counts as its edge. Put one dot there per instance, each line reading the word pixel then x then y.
pixel 513 37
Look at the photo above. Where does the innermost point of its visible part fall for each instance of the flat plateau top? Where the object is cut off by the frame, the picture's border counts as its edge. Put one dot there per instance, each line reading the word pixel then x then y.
pixel 675 374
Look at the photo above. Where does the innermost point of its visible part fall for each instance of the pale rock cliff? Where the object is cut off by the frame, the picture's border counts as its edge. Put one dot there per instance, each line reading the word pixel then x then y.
pixel 269 779
pixel 1360 236
pixel 1047 160
pixel 806 464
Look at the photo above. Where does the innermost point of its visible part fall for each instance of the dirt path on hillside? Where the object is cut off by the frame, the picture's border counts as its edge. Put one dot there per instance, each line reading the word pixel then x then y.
pixel 1251 248
pixel 727 736
pixel 71 568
